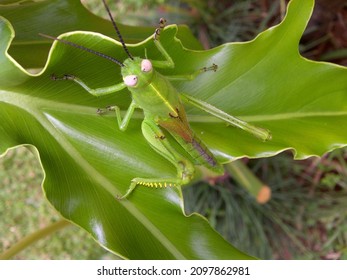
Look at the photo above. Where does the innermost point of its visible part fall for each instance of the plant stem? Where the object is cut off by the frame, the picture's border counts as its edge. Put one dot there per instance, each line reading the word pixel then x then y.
pixel 241 173
pixel 33 237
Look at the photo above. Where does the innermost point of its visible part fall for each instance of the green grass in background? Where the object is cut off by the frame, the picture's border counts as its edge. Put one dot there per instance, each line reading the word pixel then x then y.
pixel 24 210
pixel 305 219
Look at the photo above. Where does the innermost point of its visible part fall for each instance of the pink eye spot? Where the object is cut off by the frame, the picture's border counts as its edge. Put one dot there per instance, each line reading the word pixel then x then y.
pixel 146 65
pixel 130 80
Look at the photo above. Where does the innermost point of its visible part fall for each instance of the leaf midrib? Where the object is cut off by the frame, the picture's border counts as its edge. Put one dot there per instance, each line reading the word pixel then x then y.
pixel 18 99
pixel 26 104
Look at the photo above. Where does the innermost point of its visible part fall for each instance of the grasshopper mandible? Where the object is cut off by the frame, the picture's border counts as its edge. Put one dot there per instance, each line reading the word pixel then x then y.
pixel 163 108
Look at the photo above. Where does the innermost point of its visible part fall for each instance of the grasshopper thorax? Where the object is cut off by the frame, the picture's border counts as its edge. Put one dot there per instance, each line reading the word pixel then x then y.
pixel 137 72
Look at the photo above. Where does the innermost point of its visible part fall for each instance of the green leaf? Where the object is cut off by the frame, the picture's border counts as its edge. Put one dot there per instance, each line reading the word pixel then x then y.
pixel 87 160
pixel 54 17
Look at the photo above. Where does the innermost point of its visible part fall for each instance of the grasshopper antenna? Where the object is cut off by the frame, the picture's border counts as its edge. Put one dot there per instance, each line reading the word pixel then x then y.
pixel 84 49
pixel 117 30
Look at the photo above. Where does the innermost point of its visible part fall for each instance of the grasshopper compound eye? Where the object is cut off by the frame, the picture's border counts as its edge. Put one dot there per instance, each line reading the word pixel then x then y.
pixel 130 80
pixel 146 65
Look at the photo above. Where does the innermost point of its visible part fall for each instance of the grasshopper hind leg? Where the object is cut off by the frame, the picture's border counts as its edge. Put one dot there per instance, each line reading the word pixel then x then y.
pixel 158 141
pixel 152 183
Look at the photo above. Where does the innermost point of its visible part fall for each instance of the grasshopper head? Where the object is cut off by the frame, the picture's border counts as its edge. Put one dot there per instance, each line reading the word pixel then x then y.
pixel 137 72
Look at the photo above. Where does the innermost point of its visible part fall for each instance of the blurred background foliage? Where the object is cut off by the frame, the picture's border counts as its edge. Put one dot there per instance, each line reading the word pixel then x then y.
pixel 306 217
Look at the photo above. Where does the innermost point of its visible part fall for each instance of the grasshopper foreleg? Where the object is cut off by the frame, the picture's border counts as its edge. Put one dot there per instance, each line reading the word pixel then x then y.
pixel 122 123
pixel 192 76
pixel 162 23
pixel 169 63
pixel 94 91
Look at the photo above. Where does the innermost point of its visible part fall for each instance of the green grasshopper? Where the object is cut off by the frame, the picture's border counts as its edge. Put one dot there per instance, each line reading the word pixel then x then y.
pixel 163 108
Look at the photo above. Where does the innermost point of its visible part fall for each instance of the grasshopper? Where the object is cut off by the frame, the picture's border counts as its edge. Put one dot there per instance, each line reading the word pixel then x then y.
pixel 163 108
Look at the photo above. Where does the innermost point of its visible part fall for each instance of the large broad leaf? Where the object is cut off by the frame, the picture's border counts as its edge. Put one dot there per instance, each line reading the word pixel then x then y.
pixel 87 160
pixel 54 17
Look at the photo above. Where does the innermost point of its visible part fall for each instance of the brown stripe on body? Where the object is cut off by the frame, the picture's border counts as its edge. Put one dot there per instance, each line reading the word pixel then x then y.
pixel 204 153
pixel 179 128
